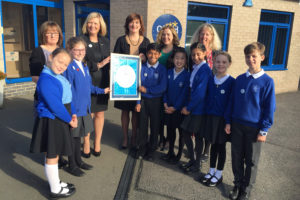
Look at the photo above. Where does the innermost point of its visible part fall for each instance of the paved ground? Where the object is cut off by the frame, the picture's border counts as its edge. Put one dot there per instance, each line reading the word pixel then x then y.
pixel 22 174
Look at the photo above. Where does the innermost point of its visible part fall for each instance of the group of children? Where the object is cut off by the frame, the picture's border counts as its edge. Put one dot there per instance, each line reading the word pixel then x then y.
pixel 197 103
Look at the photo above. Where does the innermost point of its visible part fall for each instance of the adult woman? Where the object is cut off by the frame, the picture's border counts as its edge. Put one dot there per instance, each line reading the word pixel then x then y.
pixel 97 58
pixel 133 43
pixel 207 35
pixel 168 38
pixel 50 38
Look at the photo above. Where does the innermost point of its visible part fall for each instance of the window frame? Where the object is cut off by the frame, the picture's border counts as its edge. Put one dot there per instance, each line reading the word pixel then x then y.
pixel 34 5
pixel 275 26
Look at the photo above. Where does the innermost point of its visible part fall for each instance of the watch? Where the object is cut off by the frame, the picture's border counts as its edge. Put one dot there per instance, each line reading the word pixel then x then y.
pixel 263 133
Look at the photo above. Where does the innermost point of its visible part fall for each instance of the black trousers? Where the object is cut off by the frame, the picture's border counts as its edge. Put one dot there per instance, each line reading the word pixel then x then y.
pixel 75 159
pixel 245 153
pixel 150 110
pixel 189 144
pixel 218 152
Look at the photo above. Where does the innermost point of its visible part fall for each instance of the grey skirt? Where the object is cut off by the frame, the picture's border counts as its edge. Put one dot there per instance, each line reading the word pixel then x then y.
pixel 194 124
pixel 85 126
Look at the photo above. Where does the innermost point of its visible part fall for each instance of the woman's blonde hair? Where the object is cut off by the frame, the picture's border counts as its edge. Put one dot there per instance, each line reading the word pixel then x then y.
pixel 103 29
pixel 215 44
pixel 45 27
pixel 175 36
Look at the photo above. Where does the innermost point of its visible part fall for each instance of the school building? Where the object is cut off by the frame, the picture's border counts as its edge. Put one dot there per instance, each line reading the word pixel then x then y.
pixel 276 23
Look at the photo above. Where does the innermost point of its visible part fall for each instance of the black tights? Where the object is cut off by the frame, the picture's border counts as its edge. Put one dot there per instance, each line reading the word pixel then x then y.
pixel 75 158
pixel 189 144
pixel 218 151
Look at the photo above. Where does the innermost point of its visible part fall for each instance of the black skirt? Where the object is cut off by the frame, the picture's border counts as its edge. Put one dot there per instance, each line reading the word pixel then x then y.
pixel 52 136
pixel 194 124
pixel 174 120
pixel 214 130
pixel 125 105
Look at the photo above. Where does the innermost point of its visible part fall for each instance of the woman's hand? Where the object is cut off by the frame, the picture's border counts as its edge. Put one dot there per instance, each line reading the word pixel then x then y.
pixel 103 62
pixel 227 129
pixel 106 90
pixel 143 57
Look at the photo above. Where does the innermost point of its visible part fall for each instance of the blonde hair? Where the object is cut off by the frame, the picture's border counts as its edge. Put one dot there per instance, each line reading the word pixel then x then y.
pixel 103 29
pixel 215 44
pixel 45 27
pixel 174 33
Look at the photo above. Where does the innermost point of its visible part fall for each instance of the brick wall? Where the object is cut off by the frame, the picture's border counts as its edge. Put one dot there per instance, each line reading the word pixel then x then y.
pixel 19 89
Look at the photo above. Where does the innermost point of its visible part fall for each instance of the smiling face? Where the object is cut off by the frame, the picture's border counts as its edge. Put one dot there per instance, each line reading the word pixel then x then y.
pixel 167 37
pixel 51 36
pixel 78 51
pixel 179 60
pixel 205 37
pixel 134 26
pixel 60 62
pixel 253 60
pixel 221 64
pixel 198 56
pixel 152 56
pixel 93 26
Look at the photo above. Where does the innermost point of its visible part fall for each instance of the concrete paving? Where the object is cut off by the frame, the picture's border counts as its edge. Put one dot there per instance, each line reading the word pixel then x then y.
pixel 22 173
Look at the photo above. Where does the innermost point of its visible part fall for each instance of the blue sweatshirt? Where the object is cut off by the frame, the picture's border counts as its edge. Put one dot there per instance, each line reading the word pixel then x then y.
pixel 154 79
pixel 218 97
pixel 53 92
pixel 81 88
pixel 254 100
pixel 177 89
pixel 198 90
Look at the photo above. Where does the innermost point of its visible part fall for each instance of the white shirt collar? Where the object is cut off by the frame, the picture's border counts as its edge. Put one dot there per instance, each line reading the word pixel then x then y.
pixel 220 81
pixel 154 66
pixel 257 75
pixel 177 73
pixel 80 65
pixel 198 66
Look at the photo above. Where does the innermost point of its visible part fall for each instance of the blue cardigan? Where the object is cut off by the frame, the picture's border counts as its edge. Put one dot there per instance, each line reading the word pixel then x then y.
pixel 254 101
pixel 177 90
pixel 198 91
pixel 81 88
pixel 53 92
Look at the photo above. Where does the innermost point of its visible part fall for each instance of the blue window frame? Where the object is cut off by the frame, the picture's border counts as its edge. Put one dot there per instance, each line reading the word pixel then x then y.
pixel 275 33
pixel 217 15
pixel 32 6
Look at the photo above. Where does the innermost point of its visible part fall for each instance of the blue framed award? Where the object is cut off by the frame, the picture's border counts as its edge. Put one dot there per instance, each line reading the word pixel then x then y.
pixel 124 77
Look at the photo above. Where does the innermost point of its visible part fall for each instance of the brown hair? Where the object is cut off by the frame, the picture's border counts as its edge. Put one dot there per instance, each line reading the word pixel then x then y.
pixel 224 53
pixel 175 36
pixel 103 29
pixel 45 27
pixel 255 46
pixel 73 41
pixel 132 17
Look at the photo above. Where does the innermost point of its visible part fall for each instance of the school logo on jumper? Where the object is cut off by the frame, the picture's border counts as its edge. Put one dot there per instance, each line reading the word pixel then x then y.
pixel 169 77
pixel 73 67
pixel 242 91
pixel 156 75
pixel 163 20
pixel 180 84
pixel 255 88
pixel 222 91
pixel 145 74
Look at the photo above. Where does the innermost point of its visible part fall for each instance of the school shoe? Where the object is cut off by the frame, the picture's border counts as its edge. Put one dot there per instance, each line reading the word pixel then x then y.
pixel 167 156
pixel 69 185
pixel 244 195
pixel 62 163
pixel 60 195
pixel 193 169
pixel 85 166
pixel 183 166
pixel 204 158
pixel 214 184
pixel 234 193
pixel 173 160
pixel 205 179
pixel 76 171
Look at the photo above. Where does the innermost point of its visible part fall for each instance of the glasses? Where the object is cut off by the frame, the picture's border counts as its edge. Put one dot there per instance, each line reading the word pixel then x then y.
pixel 52 34
pixel 78 50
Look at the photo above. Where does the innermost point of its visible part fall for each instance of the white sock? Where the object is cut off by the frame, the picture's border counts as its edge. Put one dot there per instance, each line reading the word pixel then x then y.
pixel 211 171
pixel 52 175
pixel 218 174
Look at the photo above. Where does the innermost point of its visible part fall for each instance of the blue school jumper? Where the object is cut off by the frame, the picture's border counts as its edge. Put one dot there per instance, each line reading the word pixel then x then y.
pixel 51 100
pixel 82 88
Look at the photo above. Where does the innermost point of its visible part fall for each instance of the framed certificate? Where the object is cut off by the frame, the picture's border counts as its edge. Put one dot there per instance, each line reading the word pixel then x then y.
pixel 124 77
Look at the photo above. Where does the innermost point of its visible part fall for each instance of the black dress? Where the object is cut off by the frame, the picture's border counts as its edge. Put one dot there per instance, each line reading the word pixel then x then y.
pixel 123 47
pixel 96 52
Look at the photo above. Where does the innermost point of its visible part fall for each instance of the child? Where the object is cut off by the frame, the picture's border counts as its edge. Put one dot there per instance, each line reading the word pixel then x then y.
pixel 51 132
pixel 194 111
pixel 252 115
pixel 78 75
pixel 174 99
pixel 218 94
pixel 153 85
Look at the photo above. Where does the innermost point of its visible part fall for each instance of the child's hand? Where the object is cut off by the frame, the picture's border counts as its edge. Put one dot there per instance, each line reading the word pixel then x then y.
pixel 103 62
pixel 106 90
pixel 185 111
pixel 143 57
pixel 142 89
pixel 228 129
pixel 138 107
pixel 74 122
pixel 171 110
pixel 261 138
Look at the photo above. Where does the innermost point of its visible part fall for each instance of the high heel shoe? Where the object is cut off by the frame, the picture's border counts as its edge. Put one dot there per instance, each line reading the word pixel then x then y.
pixel 97 154
pixel 85 155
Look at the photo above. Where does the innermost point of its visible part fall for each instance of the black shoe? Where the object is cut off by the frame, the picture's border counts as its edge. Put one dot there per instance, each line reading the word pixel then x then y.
pixel 85 155
pixel 193 169
pixel 187 165
pixel 60 195
pixel 244 196
pixel 76 171
pixel 173 160
pixel 85 166
pixel 62 163
pixel 234 193
pixel 205 180
pixel 214 184
pixel 69 185
pixel 204 158
pixel 167 156
pixel 97 154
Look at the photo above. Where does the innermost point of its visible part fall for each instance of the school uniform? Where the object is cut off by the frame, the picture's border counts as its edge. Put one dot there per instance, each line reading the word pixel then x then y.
pixel 51 132
pixel 176 96
pixel 194 122
pixel 154 79
pixel 252 114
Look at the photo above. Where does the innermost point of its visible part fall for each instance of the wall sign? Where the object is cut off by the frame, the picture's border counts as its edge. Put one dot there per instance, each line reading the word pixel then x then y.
pixel 166 20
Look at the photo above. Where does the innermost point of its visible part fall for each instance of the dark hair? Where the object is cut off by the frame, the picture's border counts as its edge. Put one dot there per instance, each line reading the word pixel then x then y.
pixel 153 46
pixel 255 46
pixel 58 51
pixel 132 17
pixel 178 50
pixel 73 41
pixel 198 45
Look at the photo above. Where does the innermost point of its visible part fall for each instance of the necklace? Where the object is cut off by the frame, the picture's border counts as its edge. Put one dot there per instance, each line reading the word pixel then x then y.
pixel 132 42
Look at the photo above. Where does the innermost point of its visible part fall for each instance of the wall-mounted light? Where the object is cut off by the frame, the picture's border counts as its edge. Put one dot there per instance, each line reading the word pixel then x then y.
pixel 248 3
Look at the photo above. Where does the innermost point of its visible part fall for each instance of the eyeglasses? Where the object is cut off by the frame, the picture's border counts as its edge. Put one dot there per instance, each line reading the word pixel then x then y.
pixel 78 50
pixel 52 34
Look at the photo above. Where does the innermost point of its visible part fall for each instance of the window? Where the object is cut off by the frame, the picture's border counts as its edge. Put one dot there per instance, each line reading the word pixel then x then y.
pixel 216 15
pixel 275 32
